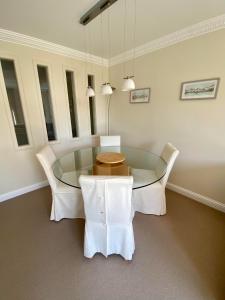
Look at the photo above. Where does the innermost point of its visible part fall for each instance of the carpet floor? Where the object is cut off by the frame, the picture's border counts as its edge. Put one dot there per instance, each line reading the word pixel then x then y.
pixel 178 256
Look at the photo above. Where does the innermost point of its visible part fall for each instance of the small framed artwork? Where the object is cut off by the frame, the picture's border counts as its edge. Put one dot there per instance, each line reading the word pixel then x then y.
pixel 140 95
pixel 199 89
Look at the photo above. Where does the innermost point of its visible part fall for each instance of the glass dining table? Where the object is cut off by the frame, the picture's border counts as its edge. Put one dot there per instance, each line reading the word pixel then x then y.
pixel 145 166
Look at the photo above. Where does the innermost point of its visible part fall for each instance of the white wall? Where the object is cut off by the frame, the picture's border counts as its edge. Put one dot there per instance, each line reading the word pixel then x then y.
pixel 18 166
pixel 196 128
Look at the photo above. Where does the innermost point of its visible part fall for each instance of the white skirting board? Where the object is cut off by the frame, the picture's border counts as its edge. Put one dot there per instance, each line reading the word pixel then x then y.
pixel 192 195
pixel 197 197
pixel 23 190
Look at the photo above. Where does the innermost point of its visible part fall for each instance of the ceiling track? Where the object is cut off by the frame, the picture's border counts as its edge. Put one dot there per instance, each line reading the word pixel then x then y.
pixel 96 10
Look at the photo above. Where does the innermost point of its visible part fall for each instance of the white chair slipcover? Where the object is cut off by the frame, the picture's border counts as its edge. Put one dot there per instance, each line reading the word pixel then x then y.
pixel 151 199
pixel 111 140
pixel 109 214
pixel 67 201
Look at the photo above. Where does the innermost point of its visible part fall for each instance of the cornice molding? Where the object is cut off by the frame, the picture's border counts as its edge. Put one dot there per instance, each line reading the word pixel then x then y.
pixel 26 40
pixel 190 32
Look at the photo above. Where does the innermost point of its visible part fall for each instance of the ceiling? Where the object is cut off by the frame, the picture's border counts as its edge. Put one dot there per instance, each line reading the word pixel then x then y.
pixel 58 21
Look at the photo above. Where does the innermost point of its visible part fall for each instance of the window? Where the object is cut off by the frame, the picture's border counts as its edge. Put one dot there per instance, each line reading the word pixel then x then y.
pixel 92 105
pixel 47 102
pixel 12 89
pixel 72 102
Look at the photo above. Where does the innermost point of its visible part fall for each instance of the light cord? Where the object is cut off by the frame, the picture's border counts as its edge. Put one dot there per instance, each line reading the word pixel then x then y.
pixel 124 37
pixel 134 37
pixel 85 45
pixel 109 98
pixel 102 45
pixel 109 39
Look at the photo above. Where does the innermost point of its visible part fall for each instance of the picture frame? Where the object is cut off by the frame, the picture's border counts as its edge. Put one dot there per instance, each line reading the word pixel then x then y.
pixel 140 95
pixel 199 89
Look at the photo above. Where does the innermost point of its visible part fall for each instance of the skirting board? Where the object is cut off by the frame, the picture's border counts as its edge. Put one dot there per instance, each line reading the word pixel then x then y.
pixel 192 195
pixel 22 191
pixel 197 197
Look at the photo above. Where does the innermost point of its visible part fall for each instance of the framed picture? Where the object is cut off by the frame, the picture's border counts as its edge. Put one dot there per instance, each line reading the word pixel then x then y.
pixel 140 95
pixel 199 89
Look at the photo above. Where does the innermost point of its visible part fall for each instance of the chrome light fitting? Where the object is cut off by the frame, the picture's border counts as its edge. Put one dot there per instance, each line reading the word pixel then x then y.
pixel 96 10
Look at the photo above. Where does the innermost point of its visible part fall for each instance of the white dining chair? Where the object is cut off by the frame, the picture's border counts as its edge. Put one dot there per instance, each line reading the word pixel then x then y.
pixel 151 199
pixel 110 140
pixel 67 201
pixel 109 214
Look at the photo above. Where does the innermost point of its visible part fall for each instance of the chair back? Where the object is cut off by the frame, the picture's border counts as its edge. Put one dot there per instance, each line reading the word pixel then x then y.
pixel 47 157
pixel 169 155
pixel 111 140
pixel 107 199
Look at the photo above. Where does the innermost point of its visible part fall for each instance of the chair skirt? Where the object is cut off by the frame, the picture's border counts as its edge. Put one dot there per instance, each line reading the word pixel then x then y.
pixel 109 239
pixel 67 205
pixel 150 199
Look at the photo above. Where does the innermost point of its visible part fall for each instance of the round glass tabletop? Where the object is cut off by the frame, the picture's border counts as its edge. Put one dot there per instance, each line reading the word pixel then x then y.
pixel 145 167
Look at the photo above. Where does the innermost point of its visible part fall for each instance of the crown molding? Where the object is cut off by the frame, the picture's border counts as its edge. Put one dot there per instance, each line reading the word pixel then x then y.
pixel 190 32
pixel 26 40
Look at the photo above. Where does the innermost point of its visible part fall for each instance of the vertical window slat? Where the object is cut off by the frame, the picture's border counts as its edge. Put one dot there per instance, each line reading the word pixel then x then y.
pixel 92 106
pixel 15 104
pixel 47 102
pixel 72 102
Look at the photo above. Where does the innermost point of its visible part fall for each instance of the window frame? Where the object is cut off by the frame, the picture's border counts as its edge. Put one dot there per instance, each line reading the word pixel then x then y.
pixel 23 100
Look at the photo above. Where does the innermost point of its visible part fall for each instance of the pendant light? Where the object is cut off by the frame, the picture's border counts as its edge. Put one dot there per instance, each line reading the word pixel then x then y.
pixel 89 91
pixel 128 82
pixel 106 88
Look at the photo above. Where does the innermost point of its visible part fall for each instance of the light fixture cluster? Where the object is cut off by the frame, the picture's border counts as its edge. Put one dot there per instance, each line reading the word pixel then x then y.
pixel 106 89
pixel 128 81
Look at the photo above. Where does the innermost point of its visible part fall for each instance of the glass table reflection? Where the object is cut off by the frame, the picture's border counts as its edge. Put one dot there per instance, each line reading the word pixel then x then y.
pixel 145 167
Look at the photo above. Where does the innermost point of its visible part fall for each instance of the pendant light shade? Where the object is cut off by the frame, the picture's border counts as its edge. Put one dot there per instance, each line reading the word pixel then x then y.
pixel 90 92
pixel 106 89
pixel 128 84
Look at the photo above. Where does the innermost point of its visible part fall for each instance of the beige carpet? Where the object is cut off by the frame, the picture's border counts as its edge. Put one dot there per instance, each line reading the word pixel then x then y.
pixel 178 256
